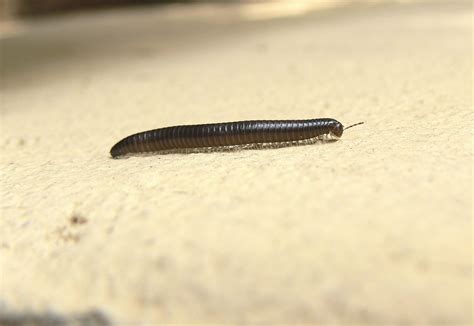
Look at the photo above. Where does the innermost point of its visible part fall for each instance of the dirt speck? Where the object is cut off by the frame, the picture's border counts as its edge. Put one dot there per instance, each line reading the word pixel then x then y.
pixel 77 220
pixel 67 236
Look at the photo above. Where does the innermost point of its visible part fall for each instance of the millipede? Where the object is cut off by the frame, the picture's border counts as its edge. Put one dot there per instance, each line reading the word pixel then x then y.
pixel 221 135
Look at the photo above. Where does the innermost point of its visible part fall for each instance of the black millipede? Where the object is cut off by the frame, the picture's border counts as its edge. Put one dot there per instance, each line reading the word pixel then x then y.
pixel 229 134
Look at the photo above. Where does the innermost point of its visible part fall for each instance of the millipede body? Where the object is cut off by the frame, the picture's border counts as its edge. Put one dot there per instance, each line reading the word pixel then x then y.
pixel 228 134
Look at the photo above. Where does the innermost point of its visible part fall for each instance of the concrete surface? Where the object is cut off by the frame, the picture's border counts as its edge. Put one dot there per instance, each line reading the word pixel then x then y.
pixel 375 228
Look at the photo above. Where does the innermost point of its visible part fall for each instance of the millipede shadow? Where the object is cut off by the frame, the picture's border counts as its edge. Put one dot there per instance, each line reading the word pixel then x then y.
pixel 233 148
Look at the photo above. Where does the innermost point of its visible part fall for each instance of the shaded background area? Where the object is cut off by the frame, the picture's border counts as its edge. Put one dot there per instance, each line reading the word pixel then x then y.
pixel 25 8
pixel 12 9
pixel 42 35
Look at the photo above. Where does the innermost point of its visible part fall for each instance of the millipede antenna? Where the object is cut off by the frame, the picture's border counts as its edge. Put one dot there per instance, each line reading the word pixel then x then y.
pixel 355 124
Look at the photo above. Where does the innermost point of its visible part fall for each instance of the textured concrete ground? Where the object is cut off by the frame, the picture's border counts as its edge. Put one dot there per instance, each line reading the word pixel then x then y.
pixel 374 228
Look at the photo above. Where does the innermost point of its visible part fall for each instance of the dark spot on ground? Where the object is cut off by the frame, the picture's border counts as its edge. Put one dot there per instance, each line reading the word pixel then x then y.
pixel 77 220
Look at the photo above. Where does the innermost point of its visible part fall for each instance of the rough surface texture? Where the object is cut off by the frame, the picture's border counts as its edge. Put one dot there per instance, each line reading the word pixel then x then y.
pixel 373 228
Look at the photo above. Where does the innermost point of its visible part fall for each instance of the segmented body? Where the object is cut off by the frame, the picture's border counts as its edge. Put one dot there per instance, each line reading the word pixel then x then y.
pixel 226 134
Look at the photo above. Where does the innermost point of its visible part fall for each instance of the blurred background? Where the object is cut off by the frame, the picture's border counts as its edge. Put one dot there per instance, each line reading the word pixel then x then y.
pixel 27 8
pixel 14 9
pixel 39 32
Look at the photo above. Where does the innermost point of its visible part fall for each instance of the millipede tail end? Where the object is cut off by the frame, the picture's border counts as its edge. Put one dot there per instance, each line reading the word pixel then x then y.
pixel 118 150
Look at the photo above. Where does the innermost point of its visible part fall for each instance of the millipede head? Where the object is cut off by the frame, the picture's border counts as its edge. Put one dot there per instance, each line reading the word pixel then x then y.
pixel 336 129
